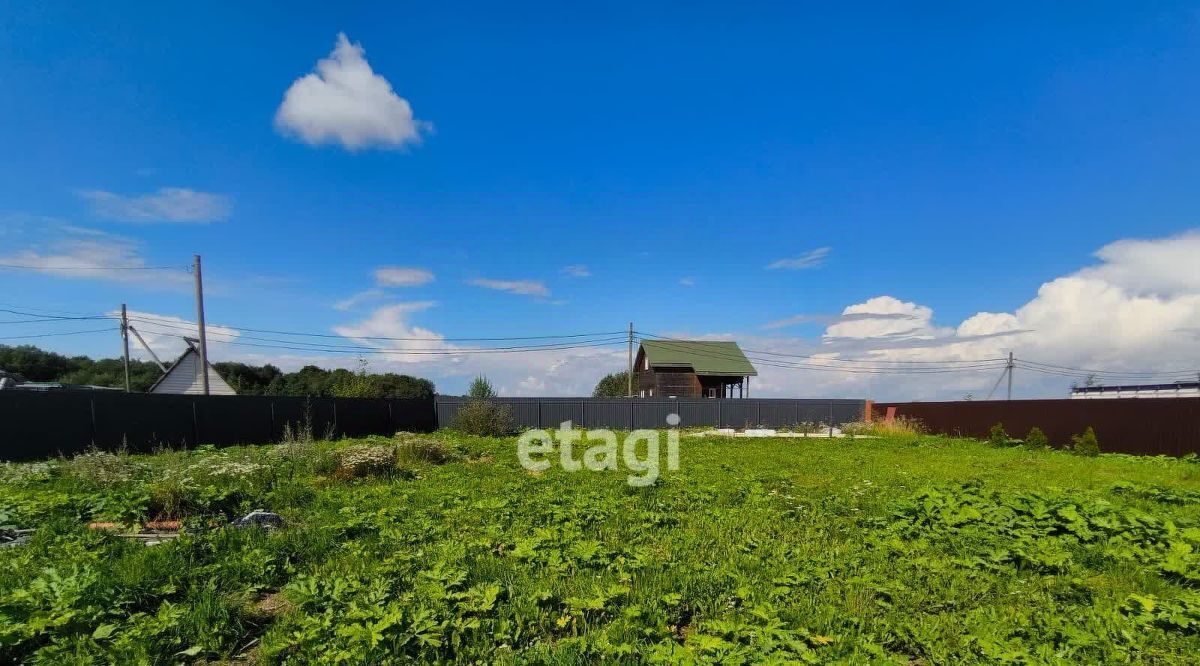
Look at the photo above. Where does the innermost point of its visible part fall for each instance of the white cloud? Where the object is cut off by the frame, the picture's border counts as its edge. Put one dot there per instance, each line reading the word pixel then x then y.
pixel 796 320
pixel 345 102
pixel 523 287
pixel 884 316
pixel 577 270
pixel 810 259
pixel 408 343
pixel 687 281
pixel 168 204
pixel 358 299
pixel 399 276
pixel 87 254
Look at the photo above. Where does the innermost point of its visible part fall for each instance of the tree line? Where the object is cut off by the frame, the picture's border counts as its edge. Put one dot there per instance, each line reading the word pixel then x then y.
pixel 37 365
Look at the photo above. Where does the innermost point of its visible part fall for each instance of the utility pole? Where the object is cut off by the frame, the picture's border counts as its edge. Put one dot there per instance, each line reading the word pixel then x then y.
pixel 629 372
pixel 200 323
pixel 125 342
pixel 1010 371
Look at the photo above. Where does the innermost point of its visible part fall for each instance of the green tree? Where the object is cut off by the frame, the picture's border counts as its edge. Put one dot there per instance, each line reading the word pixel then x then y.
pixel 481 388
pixel 614 385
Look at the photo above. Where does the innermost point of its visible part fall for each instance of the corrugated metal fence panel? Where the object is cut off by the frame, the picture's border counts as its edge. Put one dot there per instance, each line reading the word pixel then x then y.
pixel 142 423
pixel 228 420
pixel 738 414
pixel 38 425
pixel 1167 426
pixel 625 414
pixel 32 427
pixel 553 414
pixel 611 414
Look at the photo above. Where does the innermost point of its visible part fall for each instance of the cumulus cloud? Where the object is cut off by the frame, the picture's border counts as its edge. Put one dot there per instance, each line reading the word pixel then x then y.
pixel 577 270
pixel 884 316
pixel 399 276
pixel 168 204
pixel 810 259
pixel 523 287
pixel 827 319
pixel 345 102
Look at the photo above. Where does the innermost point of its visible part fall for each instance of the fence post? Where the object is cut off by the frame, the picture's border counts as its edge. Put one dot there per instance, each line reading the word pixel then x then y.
pixel 195 426
pixel 92 406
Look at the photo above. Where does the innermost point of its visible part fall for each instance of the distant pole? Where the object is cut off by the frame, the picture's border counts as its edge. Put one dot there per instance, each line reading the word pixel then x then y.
pixel 125 343
pixel 200 323
pixel 629 371
pixel 1010 371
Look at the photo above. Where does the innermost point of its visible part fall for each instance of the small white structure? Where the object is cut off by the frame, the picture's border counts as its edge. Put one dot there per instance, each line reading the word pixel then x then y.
pixel 1176 390
pixel 184 378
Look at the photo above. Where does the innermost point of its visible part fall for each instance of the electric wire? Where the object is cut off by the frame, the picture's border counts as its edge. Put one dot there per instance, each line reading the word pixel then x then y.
pixel 52 335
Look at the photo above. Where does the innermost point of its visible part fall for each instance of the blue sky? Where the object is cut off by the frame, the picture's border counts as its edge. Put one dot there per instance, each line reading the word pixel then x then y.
pixel 951 159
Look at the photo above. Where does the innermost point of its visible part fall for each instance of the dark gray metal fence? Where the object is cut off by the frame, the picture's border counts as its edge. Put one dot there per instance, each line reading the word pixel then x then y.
pixel 629 414
pixel 34 426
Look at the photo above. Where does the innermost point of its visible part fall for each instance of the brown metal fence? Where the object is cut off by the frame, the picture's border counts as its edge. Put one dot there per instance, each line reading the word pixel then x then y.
pixel 1149 426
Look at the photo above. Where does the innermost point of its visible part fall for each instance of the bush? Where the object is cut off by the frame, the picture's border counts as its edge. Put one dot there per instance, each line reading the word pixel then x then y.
pixel 412 448
pixel 1036 439
pixel 997 436
pixel 358 462
pixel 1086 444
pixel 101 468
pixel 484 418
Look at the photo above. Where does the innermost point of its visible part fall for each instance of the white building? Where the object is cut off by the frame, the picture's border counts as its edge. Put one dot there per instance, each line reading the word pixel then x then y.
pixel 1176 390
pixel 184 378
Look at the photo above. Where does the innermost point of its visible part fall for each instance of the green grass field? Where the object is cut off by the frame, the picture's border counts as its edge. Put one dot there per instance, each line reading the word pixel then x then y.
pixel 898 550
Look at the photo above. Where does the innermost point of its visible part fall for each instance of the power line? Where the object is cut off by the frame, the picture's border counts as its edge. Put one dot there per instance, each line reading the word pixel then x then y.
pixel 1107 374
pixel 52 335
pixel 295 345
pixel 156 322
pixel 31 267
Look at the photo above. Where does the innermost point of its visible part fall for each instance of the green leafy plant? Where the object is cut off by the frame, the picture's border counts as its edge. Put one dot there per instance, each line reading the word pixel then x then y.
pixel 997 436
pixel 1086 444
pixel 1036 439
pixel 484 418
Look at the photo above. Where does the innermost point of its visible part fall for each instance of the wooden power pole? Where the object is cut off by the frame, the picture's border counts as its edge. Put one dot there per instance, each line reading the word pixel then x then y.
pixel 200 323
pixel 125 342
pixel 629 370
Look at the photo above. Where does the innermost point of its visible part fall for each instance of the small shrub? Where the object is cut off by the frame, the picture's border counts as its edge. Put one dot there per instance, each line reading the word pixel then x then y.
pixel 412 448
pixel 358 462
pixel 899 426
pixel 101 468
pixel 484 419
pixel 1036 439
pixel 997 436
pixel 1086 444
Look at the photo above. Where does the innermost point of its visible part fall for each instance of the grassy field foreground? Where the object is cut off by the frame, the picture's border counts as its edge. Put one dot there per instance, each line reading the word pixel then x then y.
pixel 442 548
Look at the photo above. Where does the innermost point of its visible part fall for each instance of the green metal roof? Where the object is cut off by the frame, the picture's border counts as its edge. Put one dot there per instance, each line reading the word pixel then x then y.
pixel 705 357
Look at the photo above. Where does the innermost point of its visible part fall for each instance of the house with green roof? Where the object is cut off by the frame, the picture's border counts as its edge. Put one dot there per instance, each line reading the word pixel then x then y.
pixel 692 369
